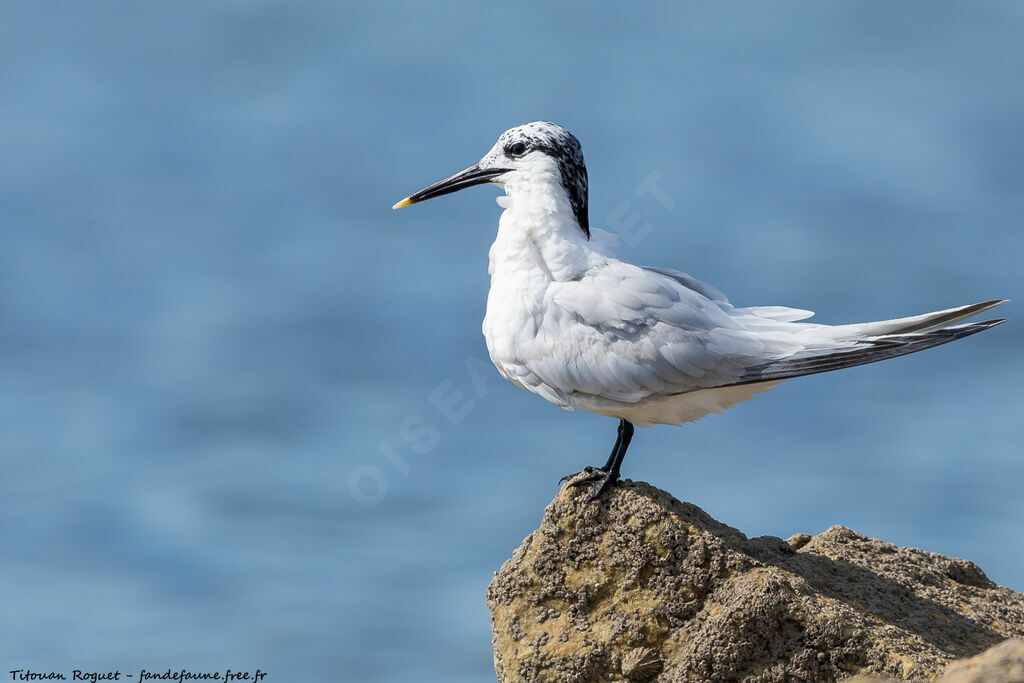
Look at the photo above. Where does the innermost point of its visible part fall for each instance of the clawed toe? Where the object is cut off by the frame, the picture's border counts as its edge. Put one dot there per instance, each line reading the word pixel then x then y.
pixel 570 476
pixel 599 479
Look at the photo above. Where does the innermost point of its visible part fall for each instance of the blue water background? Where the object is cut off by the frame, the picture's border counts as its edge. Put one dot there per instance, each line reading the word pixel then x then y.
pixel 212 323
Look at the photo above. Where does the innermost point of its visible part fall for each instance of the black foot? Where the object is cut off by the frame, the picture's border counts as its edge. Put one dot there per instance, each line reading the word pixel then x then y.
pixel 588 469
pixel 566 478
pixel 601 480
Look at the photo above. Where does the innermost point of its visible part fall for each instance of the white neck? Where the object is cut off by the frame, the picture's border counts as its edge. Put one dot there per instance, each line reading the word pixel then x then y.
pixel 538 230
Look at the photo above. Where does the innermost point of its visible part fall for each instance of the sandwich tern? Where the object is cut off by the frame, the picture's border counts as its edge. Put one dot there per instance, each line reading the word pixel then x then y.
pixel 568 320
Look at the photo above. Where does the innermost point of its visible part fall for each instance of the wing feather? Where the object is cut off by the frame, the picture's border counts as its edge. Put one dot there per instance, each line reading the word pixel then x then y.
pixel 625 333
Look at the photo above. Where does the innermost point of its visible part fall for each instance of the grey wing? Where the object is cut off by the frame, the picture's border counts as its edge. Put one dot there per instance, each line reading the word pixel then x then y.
pixel 691 283
pixel 755 314
pixel 639 332
pixel 645 332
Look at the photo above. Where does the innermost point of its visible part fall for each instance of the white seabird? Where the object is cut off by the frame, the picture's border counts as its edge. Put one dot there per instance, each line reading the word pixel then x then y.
pixel 569 321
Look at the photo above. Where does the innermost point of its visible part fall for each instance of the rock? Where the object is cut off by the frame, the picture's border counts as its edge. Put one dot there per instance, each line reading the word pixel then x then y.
pixel 1003 663
pixel 642 580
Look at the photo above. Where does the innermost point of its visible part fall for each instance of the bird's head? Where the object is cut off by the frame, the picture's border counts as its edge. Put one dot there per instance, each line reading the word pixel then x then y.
pixel 538 154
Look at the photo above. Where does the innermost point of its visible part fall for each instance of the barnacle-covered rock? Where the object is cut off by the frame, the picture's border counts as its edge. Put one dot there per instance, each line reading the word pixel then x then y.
pixel 637 574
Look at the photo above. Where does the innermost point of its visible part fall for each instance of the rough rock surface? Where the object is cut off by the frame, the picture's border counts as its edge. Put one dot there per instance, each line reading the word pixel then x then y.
pixel 1003 663
pixel 642 583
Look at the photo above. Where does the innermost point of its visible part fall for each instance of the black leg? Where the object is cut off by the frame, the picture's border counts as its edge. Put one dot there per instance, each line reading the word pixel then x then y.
pixel 614 455
pixel 625 436
pixel 603 477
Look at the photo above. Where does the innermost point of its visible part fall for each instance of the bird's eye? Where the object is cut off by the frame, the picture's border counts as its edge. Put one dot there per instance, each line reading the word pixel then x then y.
pixel 516 149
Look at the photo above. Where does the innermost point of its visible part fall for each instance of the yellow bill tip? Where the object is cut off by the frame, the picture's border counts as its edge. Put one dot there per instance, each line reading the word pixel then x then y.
pixel 405 202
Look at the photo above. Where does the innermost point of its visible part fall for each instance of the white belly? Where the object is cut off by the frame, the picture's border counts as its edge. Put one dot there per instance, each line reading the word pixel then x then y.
pixel 675 410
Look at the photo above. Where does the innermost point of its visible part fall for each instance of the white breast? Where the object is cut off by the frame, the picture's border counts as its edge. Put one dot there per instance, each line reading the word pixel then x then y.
pixel 584 330
pixel 517 302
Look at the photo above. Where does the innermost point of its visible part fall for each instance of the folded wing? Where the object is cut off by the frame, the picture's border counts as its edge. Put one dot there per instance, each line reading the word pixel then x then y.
pixel 644 333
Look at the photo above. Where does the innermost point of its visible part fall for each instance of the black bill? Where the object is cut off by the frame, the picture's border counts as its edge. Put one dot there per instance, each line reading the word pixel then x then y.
pixel 474 175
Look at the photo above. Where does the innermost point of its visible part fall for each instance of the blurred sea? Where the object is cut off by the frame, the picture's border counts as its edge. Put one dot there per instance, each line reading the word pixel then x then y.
pixel 213 328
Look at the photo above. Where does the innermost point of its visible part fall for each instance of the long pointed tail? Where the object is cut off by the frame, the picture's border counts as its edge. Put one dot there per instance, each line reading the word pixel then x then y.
pixel 916 323
pixel 878 341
